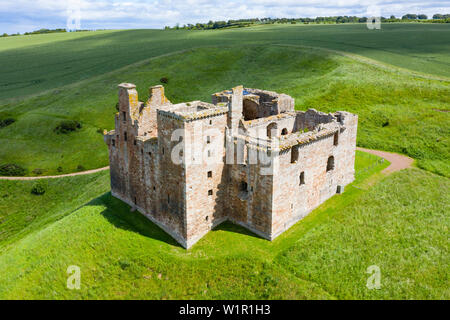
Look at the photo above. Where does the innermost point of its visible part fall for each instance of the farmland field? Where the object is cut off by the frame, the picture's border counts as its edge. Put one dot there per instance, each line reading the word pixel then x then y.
pixel 396 79
pixel 399 111
pixel 123 255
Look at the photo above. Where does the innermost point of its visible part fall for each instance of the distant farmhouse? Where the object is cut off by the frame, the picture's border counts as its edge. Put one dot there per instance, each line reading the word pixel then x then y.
pixel 259 163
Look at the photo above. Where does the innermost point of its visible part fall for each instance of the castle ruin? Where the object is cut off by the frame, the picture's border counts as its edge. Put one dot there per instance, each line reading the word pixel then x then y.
pixel 270 165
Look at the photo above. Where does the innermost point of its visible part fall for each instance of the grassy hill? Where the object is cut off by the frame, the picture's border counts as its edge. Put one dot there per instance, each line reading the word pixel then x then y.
pixel 31 64
pixel 397 111
pixel 394 79
pixel 123 255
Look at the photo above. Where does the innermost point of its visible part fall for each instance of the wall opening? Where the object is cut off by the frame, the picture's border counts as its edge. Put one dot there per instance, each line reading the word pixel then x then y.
pixel 284 132
pixel 294 154
pixel 125 136
pixel 124 116
pixel 208 139
pixel 209 174
pixel 113 142
pixel 243 186
pixel 249 109
pixel 302 178
pixel 210 192
pixel 272 130
pixel 336 139
pixel 330 163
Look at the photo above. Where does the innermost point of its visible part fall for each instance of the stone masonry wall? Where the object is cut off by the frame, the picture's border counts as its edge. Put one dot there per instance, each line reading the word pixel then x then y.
pixel 188 199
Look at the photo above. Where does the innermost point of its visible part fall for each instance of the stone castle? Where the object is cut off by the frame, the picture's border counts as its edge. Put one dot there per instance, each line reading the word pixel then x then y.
pixel 311 157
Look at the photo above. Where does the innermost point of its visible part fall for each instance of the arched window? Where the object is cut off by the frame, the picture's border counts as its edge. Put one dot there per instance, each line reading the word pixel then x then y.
pixel 272 130
pixel 330 163
pixel 294 154
pixel 284 132
pixel 302 178
pixel 243 186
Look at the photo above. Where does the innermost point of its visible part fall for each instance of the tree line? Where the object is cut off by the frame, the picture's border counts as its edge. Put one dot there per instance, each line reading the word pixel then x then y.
pixel 40 31
pixel 437 18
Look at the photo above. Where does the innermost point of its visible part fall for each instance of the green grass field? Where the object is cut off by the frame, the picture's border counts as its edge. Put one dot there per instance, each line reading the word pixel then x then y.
pixel 396 79
pixel 69 58
pixel 315 78
pixel 123 255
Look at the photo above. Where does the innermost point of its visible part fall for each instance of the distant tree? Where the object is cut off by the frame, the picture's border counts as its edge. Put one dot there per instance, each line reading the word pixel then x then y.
pixel 438 16
pixel 392 17
pixel 409 16
pixel 422 16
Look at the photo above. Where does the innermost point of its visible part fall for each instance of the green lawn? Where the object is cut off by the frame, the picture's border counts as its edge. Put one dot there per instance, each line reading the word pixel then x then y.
pixel 397 111
pixel 31 64
pixel 398 223
pixel 22 213
pixel 123 255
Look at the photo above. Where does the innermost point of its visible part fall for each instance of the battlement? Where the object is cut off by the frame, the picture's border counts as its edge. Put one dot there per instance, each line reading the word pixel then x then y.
pixel 195 110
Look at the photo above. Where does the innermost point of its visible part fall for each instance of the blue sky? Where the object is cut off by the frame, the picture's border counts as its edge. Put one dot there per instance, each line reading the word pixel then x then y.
pixel 29 15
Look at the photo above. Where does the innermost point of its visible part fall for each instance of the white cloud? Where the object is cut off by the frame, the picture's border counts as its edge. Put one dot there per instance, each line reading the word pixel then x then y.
pixel 20 15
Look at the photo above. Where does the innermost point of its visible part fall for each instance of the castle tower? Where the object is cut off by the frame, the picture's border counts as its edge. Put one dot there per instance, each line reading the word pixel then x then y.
pixel 235 109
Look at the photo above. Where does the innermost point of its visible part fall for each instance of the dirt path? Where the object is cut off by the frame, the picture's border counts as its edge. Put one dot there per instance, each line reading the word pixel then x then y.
pixel 398 161
pixel 54 177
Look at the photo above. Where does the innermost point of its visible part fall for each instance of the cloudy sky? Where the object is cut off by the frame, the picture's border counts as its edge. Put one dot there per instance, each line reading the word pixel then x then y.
pixel 28 15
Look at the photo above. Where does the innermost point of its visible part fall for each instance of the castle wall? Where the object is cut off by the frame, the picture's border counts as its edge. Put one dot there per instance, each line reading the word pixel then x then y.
pixel 292 200
pixel 187 199
pixel 170 179
pixel 206 182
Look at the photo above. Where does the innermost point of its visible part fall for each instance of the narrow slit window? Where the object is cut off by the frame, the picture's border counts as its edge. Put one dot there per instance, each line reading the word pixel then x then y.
pixel 209 174
pixel 302 178
pixel 294 154
pixel 330 163
pixel 125 136
pixel 336 139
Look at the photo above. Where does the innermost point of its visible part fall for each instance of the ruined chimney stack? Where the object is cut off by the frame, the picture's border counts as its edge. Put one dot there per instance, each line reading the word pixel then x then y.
pixel 235 108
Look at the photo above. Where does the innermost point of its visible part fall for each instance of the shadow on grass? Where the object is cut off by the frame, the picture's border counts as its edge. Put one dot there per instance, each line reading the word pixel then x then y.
pixel 231 227
pixel 118 213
